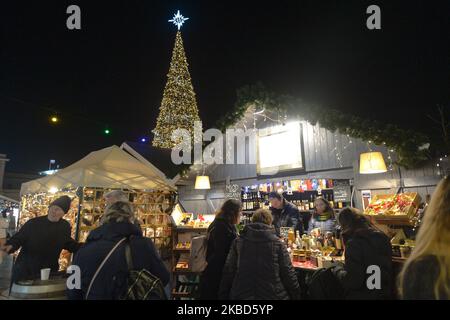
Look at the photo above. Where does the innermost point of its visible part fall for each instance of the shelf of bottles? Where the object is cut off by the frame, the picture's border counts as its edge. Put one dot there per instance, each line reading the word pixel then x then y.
pixel 302 195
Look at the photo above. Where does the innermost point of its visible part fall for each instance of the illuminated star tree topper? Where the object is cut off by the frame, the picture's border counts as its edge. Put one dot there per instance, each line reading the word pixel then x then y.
pixel 178 20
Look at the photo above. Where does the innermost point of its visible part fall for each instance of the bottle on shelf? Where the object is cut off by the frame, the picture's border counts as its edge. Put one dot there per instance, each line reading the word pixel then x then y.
pixel 340 205
pixel 311 202
pixel 331 198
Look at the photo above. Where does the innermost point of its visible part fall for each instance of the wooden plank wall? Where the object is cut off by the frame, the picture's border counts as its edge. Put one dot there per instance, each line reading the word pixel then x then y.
pixel 320 149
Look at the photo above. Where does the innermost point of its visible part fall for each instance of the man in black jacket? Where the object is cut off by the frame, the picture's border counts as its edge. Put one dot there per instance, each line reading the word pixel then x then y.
pixel 41 241
pixel 284 213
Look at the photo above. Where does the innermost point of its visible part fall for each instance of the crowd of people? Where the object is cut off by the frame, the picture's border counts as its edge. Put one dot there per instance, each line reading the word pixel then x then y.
pixel 252 264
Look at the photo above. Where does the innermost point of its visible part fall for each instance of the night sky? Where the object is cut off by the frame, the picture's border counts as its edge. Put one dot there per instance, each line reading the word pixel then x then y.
pixel 112 72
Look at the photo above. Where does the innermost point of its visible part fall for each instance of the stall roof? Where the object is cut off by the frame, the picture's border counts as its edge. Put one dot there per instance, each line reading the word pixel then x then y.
pixel 4 198
pixel 161 158
pixel 110 167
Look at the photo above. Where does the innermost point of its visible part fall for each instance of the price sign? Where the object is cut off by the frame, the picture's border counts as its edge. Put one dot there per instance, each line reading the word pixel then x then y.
pixel 341 191
pixel 233 191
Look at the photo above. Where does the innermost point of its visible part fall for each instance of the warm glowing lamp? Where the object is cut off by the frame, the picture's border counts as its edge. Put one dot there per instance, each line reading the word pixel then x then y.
pixel 54 119
pixel 202 183
pixel 371 162
pixel 53 190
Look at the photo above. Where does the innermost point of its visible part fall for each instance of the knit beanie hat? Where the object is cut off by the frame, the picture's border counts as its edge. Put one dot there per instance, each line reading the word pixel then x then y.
pixel 62 202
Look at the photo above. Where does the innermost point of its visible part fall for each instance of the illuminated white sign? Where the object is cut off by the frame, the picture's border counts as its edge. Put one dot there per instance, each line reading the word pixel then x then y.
pixel 279 149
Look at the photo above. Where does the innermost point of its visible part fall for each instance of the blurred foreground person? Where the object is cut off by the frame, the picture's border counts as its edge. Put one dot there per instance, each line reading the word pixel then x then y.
pixel 426 273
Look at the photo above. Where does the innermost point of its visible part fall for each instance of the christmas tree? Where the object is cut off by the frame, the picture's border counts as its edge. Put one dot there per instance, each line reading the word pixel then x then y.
pixel 178 107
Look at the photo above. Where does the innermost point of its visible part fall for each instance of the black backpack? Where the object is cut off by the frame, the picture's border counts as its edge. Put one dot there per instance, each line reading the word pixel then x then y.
pixel 324 285
pixel 140 285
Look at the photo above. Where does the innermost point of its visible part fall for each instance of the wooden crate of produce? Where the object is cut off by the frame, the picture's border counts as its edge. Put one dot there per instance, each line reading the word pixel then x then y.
pixel 394 207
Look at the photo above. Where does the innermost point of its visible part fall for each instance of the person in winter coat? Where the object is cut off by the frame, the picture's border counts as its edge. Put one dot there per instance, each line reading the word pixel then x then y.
pixel 426 273
pixel 111 281
pixel 284 213
pixel 221 233
pixel 3 227
pixel 323 217
pixel 258 266
pixel 41 241
pixel 364 246
pixel 12 224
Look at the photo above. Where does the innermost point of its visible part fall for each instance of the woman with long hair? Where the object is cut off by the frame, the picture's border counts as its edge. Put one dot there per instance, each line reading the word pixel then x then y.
pixel 323 217
pixel 221 234
pixel 426 273
pixel 365 247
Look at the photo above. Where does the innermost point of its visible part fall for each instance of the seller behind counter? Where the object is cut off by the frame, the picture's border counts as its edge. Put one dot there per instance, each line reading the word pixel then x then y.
pixel 323 217
pixel 41 241
pixel 284 213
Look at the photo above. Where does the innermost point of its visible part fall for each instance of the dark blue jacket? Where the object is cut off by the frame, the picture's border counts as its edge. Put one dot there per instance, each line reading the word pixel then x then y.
pixel 288 216
pixel 111 281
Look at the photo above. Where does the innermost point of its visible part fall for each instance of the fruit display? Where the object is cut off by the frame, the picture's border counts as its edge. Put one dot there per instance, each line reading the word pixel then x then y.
pixel 187 220
pixel 395 204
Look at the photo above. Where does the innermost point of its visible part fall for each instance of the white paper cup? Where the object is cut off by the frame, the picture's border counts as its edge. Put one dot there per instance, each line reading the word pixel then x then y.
pixel 45 274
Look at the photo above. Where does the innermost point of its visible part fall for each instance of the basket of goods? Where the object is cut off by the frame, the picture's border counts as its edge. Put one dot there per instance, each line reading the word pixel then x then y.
pixel 394 206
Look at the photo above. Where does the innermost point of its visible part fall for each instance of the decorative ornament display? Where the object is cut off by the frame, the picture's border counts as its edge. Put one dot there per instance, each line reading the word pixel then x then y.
pixel 178 107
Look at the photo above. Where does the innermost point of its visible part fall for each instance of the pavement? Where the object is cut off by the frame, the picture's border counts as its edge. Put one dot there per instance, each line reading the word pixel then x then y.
pixel 5 276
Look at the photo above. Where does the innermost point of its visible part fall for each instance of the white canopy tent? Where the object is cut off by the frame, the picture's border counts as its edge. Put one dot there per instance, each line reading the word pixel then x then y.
pixel 110 167
pixel 5 198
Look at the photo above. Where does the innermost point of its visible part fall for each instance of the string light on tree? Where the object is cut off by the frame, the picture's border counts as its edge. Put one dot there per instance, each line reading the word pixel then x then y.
pixel 106 131
pixel 178 107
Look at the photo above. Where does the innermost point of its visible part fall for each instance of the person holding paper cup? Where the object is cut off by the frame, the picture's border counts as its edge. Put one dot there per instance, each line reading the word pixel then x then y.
pixel 41 241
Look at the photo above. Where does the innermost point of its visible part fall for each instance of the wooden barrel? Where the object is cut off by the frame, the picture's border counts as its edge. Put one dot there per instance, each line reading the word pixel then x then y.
pixel 52 289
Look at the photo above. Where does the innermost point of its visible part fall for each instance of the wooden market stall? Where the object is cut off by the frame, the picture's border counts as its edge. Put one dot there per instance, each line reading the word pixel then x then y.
pixel 87 180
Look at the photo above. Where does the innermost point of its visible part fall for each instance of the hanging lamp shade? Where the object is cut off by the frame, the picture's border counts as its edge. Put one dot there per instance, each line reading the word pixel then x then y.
pixel 202 183
pixel 371 162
